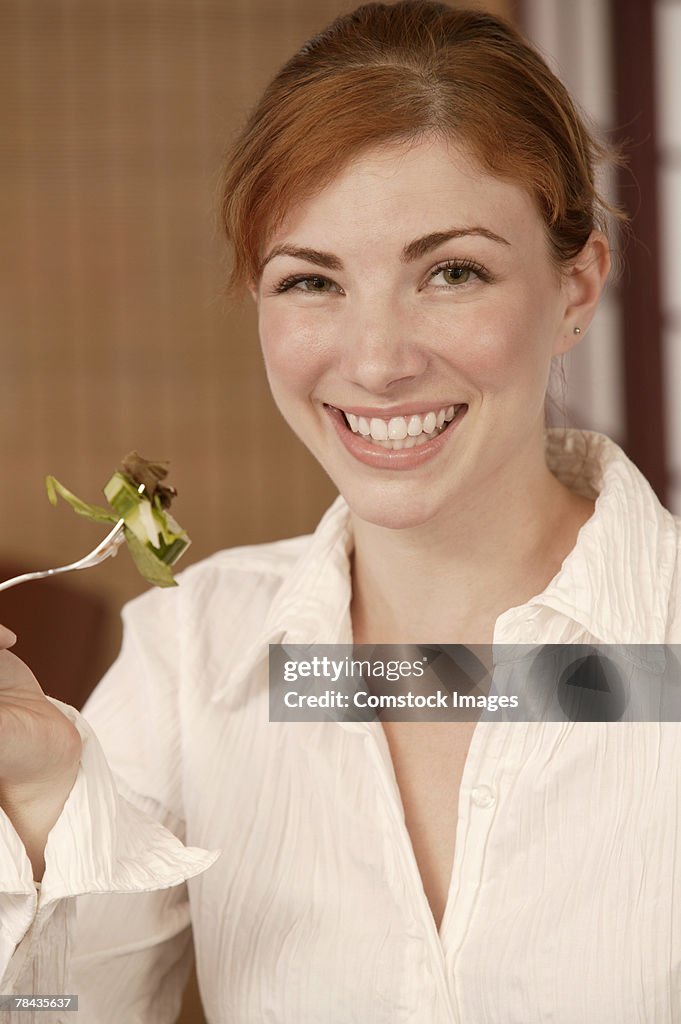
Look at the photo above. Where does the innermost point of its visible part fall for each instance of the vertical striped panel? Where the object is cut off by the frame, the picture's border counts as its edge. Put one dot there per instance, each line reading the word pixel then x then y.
pixel 668 87
pixel 670 201
pixel 667 38
pixel 575 39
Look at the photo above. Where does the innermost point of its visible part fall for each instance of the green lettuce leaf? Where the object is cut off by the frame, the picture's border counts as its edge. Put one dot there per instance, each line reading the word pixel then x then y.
pixel 151 567
pixel 153 537
pixel 83 508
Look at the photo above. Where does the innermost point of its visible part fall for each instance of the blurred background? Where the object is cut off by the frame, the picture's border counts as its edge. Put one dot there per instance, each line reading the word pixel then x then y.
pixel 114 330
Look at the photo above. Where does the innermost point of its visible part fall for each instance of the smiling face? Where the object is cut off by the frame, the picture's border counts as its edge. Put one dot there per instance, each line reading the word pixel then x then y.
pixel 408 315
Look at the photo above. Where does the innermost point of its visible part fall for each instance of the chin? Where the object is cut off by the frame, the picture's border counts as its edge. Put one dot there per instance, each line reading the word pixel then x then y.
pixel 395 511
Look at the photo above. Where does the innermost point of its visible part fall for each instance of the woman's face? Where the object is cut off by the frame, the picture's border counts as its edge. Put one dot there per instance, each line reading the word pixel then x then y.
pixel 414 288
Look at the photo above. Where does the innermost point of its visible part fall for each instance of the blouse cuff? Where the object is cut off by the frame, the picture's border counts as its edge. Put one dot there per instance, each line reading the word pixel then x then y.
pixel 100 843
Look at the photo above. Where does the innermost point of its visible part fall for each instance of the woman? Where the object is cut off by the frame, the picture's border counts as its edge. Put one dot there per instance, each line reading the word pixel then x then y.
pixel 412 207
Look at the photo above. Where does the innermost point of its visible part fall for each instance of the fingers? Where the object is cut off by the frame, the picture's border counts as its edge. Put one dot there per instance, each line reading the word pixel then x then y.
pixel 15 675
pixel 7 638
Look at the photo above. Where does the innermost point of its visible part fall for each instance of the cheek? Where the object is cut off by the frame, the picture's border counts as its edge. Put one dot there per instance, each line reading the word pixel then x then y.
pixel 505 347
pixel 496 356
pixel 295 354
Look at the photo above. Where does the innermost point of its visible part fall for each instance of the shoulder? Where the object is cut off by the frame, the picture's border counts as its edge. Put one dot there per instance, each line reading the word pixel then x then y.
pixel 240 583
pixel 270 561
pixel 629 565
pixel 225 592
pixel 228 574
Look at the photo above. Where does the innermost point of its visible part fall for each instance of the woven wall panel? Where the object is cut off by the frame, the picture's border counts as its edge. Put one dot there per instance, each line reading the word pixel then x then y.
pixel 113 330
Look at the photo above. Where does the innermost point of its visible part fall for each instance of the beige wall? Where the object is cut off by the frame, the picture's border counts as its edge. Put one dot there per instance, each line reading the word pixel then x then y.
pixel 113 330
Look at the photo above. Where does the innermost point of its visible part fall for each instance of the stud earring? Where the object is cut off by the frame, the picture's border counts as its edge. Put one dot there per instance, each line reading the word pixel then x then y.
pixel 576 330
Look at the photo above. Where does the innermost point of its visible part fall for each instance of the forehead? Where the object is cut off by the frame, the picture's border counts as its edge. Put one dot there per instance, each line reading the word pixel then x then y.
pixel 399 191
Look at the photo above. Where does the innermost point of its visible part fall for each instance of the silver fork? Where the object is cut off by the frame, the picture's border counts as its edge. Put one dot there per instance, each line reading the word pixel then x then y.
pixel 109 546
pixel 105 548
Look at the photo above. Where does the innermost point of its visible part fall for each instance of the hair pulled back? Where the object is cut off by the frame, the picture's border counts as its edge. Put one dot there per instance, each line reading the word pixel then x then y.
pixel 387 73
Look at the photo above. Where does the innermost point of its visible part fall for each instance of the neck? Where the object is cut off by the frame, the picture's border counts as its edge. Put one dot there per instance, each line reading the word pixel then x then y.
pixel 448 580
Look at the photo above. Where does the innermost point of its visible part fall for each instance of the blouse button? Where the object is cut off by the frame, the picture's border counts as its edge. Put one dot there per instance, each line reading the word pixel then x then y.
pixel 483 796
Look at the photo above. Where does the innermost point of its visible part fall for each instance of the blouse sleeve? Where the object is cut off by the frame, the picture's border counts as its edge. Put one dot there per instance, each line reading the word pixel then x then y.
pixel 110 921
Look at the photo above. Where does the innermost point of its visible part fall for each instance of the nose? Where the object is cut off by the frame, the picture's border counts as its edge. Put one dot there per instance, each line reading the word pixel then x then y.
pixel 381 348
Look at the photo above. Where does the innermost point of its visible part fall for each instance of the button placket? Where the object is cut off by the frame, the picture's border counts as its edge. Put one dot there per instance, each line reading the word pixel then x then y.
pixel 478 813
pixel 378 751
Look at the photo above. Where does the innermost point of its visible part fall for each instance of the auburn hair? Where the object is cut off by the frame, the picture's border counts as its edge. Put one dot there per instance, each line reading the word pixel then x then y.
pixel 387 73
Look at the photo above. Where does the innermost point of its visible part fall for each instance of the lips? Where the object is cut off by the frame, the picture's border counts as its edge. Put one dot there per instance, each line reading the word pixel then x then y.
pixel 396 452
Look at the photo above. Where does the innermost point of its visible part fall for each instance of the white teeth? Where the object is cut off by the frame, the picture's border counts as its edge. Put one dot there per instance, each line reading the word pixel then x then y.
pixel 379 430
pixel 402 431
pixel 397 428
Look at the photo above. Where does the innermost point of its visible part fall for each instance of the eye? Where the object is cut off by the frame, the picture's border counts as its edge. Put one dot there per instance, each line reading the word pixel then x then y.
pixel 317 284
pixel 458 273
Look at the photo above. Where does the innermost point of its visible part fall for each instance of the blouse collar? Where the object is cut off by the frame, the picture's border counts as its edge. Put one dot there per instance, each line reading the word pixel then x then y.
pixel 616 582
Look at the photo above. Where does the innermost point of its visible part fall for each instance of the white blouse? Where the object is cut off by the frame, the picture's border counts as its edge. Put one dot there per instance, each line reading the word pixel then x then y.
pixel 298 880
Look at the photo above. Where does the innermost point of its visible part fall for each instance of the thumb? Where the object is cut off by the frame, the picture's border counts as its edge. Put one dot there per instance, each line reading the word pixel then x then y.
pixel 7 638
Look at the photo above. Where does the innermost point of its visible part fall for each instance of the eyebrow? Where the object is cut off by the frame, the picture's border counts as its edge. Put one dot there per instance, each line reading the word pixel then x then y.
pixel 411 252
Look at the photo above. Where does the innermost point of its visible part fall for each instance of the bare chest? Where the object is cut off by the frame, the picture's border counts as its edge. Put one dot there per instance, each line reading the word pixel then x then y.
pixel 428 760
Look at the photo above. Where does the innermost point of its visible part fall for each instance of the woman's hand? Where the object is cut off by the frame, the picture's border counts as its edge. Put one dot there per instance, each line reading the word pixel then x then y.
pixel 38 743
pixel 40 751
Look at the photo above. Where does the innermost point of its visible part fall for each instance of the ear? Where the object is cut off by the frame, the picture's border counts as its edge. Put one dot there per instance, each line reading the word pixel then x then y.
pixel 583 284
pixel 254 291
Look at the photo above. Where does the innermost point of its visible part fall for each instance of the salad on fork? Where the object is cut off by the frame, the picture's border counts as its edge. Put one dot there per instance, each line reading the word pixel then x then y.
pixel 139 503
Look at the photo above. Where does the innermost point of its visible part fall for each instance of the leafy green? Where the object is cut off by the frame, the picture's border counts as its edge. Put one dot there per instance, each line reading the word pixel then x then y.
pixel 151 567
pixel 138 497
pixel 95 512
pixel 142 471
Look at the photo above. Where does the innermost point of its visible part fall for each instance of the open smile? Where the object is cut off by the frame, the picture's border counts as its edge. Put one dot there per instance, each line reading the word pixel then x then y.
pixel 398 441
pixel 399 432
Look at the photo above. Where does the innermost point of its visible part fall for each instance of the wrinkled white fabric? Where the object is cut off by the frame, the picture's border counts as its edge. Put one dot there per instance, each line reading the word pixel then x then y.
pixel 299 879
